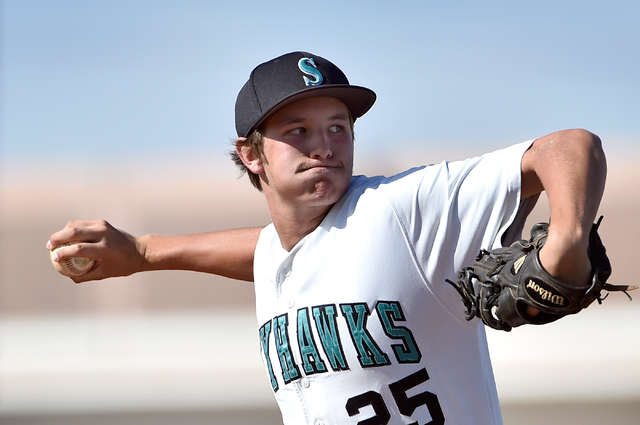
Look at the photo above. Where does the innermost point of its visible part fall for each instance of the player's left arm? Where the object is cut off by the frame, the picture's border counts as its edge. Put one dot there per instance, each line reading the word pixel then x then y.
pixel 570 166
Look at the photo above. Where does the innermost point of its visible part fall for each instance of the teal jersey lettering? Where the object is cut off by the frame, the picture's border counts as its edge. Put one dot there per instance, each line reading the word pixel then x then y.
pixel 408 351
pixel 369 354
pixel 265 331
pixel 325 318
pixel 290 370
pixel 311 360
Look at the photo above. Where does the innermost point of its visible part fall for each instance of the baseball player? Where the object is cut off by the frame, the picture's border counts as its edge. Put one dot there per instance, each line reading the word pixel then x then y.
pixel 356 321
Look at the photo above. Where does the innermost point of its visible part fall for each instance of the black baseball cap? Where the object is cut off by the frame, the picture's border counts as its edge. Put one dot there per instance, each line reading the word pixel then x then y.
pixel 292 77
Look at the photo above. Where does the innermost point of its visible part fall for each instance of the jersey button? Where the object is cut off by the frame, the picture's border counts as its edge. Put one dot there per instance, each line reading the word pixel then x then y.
pixel 318 422
pixel 305 384
pixel 291 303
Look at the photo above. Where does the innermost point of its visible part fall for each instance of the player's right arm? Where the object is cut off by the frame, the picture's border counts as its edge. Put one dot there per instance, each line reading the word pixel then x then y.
pixel 226 253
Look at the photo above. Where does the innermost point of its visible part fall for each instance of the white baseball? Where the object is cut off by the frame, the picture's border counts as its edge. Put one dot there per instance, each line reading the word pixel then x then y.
pixel 74 266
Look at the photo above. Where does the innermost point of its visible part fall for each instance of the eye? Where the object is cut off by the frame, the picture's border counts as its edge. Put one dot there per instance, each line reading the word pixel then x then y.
pixel 298 131
pixel 336 128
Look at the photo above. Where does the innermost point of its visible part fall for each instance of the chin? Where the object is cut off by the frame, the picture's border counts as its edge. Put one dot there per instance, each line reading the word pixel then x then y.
pixel 329 193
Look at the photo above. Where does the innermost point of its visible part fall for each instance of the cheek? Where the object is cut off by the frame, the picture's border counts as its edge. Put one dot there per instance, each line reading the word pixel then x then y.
pixel 346 151
pixel 277 164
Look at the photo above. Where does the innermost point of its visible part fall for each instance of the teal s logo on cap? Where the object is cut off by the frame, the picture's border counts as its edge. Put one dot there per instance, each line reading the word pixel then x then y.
pixel 308 67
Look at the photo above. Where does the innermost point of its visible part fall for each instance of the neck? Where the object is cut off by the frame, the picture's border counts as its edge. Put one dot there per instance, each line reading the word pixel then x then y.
pixel 293 225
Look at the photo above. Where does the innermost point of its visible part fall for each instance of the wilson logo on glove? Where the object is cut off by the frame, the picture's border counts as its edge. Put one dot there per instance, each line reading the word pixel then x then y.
pixel 540 292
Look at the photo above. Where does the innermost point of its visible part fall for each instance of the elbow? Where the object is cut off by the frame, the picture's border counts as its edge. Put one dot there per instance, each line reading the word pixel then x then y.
pixel 583 140
pixel 580 146
pixel 578 151
pixel 584 147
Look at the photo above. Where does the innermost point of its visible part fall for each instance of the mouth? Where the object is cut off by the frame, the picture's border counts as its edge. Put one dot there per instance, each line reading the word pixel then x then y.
pixel 317 167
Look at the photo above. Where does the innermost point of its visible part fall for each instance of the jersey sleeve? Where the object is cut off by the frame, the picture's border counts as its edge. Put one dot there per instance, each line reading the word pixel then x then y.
pixel 450 210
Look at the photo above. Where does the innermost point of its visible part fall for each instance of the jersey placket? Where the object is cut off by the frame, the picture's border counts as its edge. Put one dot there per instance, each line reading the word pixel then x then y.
pixel 308 391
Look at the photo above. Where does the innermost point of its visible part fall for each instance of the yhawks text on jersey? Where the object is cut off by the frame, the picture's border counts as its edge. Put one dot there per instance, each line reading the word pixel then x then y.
pixel 325 323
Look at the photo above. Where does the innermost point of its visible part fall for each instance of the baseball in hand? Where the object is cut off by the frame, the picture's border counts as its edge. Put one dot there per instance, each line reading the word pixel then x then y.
pixel 75 266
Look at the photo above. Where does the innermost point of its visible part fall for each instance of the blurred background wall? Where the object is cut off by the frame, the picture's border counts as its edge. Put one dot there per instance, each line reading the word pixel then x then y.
pixel 124 111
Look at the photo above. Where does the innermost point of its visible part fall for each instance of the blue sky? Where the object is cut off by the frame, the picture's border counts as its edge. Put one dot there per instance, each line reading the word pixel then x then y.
pixel 125 78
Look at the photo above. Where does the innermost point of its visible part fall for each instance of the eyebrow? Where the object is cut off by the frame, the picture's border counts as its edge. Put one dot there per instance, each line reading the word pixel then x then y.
pixel 293 119
pixel 340 116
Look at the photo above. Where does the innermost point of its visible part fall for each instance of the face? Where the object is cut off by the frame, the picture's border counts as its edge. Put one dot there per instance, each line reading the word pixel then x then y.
pixel 308 153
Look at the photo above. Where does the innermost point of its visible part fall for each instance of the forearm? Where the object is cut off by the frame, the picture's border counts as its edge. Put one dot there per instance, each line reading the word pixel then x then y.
pixel 226 253
pixel 570 167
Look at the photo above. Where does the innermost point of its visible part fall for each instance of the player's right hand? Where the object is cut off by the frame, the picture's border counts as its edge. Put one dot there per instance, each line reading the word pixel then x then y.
pixel 117 253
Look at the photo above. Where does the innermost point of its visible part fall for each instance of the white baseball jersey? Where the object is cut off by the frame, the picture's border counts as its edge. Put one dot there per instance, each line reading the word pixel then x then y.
pixel 357 324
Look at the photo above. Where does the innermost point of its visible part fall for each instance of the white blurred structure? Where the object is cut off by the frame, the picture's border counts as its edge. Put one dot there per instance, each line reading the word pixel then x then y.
pixel 593 356
pixel 62 364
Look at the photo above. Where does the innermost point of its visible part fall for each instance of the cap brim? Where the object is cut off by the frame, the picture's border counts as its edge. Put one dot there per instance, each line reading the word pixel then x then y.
pixel 357 99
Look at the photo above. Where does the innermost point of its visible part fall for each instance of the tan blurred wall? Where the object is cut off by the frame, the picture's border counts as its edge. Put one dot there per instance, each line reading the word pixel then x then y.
pixel 182 194
pixel 163 196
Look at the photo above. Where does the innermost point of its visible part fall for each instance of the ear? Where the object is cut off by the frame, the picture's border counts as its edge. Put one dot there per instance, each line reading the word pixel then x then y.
pixel 249 157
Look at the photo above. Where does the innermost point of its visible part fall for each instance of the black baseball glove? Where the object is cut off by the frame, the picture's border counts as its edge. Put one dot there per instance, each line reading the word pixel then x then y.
pixel 512 278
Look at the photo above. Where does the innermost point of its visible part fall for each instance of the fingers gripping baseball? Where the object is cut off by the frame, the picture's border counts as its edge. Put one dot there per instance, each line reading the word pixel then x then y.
pixel 72 266
pixel 109 252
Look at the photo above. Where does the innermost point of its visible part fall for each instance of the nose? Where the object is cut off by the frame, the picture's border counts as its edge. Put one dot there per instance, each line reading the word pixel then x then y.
pixel 321 147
